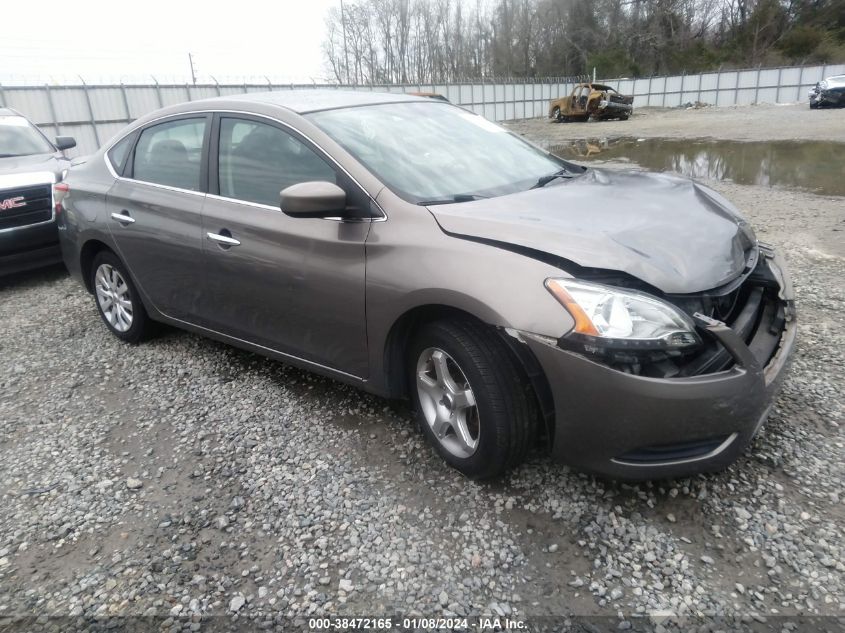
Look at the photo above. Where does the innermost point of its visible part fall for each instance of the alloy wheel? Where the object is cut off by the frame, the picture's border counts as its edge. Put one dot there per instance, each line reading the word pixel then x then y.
pixel 447 402
pixel 113 297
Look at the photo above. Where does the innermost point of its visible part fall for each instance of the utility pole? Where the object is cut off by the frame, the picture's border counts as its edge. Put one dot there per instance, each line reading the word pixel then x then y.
pixel 345 49
pixel 193 72
pixel 479 43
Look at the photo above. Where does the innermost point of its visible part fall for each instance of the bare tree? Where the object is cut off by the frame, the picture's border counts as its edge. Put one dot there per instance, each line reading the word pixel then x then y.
pixel 430 41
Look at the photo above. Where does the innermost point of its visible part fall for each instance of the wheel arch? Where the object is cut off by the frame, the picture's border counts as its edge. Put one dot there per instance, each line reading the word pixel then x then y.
pixel 87 254
pixel 400 335
pixel 409 322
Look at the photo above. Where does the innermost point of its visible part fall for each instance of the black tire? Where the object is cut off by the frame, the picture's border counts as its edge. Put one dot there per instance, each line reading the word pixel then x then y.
pixel 505 403
pixel 140 322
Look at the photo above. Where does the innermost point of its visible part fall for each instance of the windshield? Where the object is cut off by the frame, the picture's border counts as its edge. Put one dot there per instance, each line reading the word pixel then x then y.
pixel 18 137
pixel 433 151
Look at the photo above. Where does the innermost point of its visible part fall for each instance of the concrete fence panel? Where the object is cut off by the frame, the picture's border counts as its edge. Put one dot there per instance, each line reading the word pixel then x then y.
pixel 95 113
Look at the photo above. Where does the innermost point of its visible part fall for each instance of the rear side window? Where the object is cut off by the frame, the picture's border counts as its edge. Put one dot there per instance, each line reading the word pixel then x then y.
pixel 118 153
pixel 171 154
pixel 257 161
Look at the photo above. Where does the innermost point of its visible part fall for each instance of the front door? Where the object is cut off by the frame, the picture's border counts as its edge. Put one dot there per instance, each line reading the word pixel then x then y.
pixel 155 214
pixel 579 100
pixel 294 285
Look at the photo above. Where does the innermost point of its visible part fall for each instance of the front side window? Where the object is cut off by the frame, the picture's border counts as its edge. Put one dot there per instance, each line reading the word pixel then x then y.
pixel 429 150
pixel 18 137
pixel 171 154
pixel 257 161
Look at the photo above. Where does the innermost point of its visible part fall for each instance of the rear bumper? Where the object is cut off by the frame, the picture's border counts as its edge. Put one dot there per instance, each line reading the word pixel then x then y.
pixel 29 247
pixel 633 427
pixel 69 252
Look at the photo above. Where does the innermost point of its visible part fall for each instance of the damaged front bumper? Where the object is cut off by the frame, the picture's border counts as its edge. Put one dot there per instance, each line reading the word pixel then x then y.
pixel 631 426
pixel 821 98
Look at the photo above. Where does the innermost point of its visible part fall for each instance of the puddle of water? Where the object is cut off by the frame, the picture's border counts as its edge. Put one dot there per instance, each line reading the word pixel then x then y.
pixel 816 166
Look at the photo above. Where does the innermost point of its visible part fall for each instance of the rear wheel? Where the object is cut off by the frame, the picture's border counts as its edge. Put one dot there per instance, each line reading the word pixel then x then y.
pixel 117 299
pixel 471 400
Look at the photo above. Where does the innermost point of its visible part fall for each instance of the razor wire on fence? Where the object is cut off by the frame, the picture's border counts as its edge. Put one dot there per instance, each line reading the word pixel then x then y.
pixel 93 113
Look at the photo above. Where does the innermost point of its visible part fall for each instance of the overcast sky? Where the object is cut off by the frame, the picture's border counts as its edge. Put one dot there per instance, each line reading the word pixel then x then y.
pixel 111 40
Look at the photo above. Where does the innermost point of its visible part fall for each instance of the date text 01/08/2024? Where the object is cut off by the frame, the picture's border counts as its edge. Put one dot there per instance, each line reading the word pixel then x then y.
pixel 415 624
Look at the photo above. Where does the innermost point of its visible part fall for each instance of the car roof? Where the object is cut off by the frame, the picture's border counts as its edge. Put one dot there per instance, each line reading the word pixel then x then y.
pixel 296 100
pixel 312 100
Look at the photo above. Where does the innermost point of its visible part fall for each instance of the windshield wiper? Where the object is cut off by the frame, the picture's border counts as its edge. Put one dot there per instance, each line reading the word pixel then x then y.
pixel 460 197
pixel 542 181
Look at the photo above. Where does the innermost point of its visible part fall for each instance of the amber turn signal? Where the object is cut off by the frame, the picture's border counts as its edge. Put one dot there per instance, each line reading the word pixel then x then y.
pixel 583 324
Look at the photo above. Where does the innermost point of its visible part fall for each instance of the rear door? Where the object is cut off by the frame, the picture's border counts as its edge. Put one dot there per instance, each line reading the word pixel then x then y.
pixel 155 212
pixel 295 285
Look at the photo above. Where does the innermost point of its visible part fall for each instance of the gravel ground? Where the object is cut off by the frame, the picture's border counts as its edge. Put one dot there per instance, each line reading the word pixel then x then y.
pixel 198 487
pixel 739 123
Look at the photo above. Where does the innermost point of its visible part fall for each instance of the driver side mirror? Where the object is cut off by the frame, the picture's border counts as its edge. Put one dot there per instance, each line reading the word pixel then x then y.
pixel 64 142
pixel 313 199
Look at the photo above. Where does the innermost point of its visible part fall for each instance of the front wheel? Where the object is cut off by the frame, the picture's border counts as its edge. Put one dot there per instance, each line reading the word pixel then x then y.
pixel 117 299
pixel 556 115
pixel 471 400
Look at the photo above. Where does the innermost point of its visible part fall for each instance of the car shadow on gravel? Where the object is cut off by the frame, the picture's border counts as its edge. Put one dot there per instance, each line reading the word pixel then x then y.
pixel 33 278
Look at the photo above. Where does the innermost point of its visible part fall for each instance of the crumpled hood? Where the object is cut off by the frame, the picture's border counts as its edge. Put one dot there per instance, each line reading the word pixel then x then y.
pixel 670 232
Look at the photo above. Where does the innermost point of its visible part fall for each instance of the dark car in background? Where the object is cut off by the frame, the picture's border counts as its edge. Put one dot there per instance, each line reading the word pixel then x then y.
pixel 828 92
pixel 417 250
pixel 30 165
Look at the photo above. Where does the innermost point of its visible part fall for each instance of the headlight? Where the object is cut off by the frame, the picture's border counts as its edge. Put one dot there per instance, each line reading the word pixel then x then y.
pixel 623 319
pixel 823 85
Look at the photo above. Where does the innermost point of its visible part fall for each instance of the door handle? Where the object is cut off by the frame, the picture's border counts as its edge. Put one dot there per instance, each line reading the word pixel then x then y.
pixel 123 219
pixel 225 240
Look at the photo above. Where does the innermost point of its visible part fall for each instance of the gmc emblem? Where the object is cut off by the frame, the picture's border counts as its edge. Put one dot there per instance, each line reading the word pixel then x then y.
pixel 12 203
